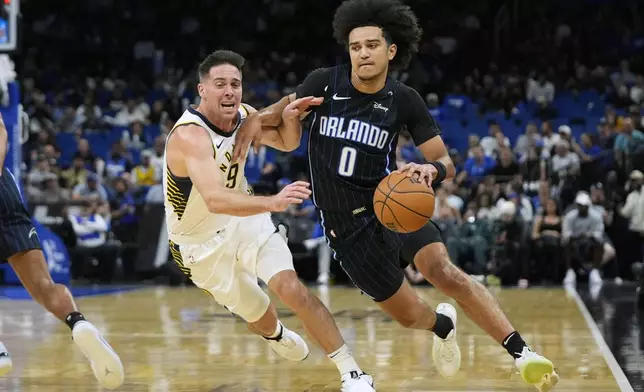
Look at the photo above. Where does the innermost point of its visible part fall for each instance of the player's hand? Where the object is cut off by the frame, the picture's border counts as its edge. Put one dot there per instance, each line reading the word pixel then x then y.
pixel 295 109
pixel 249 133
pixel 424 173
pixel 294 193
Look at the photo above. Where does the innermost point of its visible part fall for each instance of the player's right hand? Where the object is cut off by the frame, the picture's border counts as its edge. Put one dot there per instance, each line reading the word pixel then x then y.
pixel 294 193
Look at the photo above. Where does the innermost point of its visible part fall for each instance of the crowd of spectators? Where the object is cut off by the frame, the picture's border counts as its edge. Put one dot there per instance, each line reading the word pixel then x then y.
pixel 547 205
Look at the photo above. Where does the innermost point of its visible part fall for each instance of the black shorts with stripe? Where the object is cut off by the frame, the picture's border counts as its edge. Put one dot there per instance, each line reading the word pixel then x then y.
pixel 17 232
pixel 373 256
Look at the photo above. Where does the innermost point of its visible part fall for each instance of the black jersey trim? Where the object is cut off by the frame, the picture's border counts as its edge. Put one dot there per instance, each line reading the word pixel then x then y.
pixel 212 126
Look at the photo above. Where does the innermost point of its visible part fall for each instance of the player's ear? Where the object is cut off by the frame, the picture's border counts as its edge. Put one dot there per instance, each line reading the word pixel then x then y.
pixel 392 51
pixel 200 89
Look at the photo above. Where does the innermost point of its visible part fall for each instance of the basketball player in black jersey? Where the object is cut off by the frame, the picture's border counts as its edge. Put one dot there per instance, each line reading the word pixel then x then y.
pixel 352 144
pixel 20 246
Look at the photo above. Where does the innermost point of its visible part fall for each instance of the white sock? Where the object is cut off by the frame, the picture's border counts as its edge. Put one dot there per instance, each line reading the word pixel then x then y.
pixel 277 332
pixel 344 360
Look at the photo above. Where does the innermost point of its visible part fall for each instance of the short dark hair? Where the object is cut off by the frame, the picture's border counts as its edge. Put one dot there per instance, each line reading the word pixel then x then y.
pixel 219 57
pixel 398 22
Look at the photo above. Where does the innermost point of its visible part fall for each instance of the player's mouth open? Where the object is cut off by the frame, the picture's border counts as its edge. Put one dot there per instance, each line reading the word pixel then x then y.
pixel 228 105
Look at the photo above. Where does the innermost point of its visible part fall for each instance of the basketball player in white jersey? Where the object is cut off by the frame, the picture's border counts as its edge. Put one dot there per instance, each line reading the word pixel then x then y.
pixel 223 237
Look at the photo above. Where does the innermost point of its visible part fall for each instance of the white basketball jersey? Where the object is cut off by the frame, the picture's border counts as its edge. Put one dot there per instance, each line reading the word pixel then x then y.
pixel 188 219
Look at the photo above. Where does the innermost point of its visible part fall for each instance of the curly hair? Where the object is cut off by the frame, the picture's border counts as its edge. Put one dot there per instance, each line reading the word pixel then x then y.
pixel 398 22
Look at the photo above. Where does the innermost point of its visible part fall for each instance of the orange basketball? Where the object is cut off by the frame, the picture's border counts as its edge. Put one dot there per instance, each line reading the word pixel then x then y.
pixel 403 204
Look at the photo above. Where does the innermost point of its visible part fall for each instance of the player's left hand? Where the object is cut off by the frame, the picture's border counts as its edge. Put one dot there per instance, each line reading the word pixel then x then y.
pixel 424 173
pixel 295 109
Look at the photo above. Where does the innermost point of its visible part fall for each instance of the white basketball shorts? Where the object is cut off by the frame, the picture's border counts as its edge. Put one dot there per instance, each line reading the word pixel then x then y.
pixel 228 265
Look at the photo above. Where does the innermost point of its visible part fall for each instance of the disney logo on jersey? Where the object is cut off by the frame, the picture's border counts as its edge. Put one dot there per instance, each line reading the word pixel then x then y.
pixel 354 130
pixel 376 105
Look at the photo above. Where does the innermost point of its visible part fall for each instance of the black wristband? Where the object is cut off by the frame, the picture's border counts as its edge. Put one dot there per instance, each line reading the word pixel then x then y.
pixel 442 172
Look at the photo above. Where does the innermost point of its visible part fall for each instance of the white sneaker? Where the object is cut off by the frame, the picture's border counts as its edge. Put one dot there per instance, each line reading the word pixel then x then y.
pixel 446 354
pixel 6 366
pixel 289 345
pixel 106 364
pixel 571 278
pixel 595 278
pixel 537 370
pixel 357 382
pixel 523 284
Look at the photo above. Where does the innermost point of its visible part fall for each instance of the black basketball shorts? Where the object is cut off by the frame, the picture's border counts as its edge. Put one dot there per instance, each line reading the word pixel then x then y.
pixel 17 232
pixel 373 256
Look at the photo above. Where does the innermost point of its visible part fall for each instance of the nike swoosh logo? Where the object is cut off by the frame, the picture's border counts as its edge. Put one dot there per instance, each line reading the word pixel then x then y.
pixel 336 98
pixel 220 143
pixel 508 339
pixel 32 232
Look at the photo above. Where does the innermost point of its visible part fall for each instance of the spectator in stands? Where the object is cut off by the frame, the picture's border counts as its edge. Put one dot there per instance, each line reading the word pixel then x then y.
pixel 89 114
pixel 119 162
pixel 531 172
pixel 633 209
pixel 125 224
pixel 506 167
pixel 469 245
pixel 157 156
pixel 76 174
pixel 508 260
pixel 133 112
pixel 540 89
pixel 91 230
pixel 628 143
pixel 526 141
pixel 134 137
pixel 85 152
pixel 144 174
pixel 602 207
pixel 52 192
pixel 582 236
pixel 262 170
pixel 546 234
pixel 496 140
pixel 37 176
pixel 549 139
pixel 476 168
pixel 90 190
pixel 637 90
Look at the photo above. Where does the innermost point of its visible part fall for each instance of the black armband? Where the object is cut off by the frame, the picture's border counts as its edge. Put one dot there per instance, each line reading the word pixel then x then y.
pixel 442 172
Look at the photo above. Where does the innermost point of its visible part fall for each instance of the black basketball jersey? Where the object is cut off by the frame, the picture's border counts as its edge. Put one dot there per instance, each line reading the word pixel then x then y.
pixel 353 136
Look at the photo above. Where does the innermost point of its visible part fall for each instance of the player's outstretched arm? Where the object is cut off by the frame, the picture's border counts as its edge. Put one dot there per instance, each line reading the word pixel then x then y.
pixel 195 147
pixel 286 136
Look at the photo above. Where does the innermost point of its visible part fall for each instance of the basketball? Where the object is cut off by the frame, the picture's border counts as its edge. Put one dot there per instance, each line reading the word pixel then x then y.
pixel 403 204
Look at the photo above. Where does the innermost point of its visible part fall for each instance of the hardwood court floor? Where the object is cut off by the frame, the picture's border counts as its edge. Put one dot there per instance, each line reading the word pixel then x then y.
pixel 179 340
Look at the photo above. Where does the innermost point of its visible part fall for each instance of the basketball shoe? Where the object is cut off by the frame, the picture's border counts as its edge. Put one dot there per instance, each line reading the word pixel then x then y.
pixel 289 345
pixel 6 366
pixel 106 364
pixel 446 354
pixel 537 370
pixel 357 382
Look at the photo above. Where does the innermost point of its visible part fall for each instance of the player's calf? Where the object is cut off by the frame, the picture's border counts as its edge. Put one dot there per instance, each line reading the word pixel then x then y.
pixel 321 327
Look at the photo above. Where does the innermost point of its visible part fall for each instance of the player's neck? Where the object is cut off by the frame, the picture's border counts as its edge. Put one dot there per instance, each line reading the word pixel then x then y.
pixel 371 86
pixel 224 125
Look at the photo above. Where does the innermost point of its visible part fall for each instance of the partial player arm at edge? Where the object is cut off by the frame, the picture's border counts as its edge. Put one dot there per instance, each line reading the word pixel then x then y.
pixel 286 136
pixel 196 147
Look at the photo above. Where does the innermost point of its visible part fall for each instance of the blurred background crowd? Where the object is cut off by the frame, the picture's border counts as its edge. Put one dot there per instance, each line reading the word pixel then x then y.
pixel 540 104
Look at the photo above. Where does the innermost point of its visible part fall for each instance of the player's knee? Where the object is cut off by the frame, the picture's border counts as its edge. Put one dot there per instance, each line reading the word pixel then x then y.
pixel 434 263
pixel 290 290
